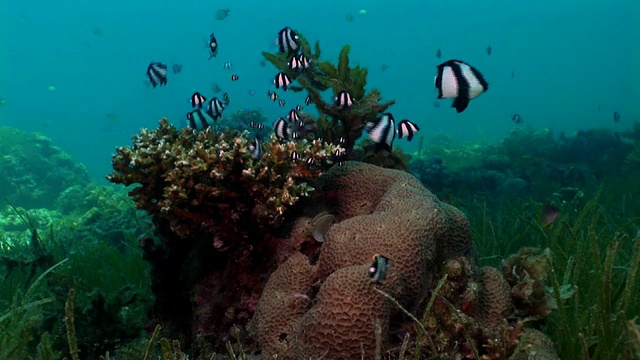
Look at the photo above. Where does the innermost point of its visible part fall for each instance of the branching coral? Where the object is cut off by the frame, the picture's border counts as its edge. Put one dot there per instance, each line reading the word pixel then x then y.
pixel 190 176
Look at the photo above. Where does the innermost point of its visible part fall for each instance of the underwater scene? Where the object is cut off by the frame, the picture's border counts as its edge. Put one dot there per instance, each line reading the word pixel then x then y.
pixel 320 180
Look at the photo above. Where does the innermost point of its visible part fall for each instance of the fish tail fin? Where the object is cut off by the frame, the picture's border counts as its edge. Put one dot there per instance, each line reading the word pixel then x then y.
pixel 460 103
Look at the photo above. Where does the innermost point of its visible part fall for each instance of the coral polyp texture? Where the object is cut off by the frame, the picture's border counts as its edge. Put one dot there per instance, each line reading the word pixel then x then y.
pixel 185 175
pixel 336 308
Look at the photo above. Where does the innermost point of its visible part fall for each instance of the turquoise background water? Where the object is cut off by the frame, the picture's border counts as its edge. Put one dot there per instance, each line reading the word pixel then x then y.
pixel 574 62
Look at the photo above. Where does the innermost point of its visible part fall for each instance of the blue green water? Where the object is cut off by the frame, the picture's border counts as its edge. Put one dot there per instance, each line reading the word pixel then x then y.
pixel 573 62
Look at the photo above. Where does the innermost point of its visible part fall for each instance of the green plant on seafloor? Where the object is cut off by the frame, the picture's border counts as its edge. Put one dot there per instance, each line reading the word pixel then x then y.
pixel 595 256
pixel 207 176
pixel 334 122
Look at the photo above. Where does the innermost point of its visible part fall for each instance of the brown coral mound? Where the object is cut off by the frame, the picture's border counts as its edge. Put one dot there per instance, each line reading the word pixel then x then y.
pixel 389 212
pixel 380 211
pixel 283 302
pixel 342 324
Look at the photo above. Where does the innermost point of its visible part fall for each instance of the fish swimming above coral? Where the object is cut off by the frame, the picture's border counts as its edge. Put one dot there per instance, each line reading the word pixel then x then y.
pixel 378 268
pixel 382 131
pixel 215 108
pixel 157 74
pixel 408 129
pixel 197 100
pixel 459 81
pixel 198 120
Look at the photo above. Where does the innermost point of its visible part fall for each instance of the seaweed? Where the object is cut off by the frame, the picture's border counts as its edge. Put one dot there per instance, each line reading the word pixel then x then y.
pixel 334 122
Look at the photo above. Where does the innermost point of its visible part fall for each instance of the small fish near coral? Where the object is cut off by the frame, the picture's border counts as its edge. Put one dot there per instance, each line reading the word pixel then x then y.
pixel 459 81
pixel 382 131
pixel 343 100
pixel 198 120
pixel 197 100
pixel 255 148
pixel 408 129
pixel 378 268
pixel 215 108
pixel 157 74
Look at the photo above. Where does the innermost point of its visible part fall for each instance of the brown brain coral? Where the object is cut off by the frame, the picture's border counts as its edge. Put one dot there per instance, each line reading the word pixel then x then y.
pixel 282 304
pixel 341 324
pixel 380 211
pixel 389 212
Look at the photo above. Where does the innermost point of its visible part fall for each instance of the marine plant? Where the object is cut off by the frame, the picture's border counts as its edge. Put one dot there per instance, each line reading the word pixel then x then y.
pixel 334 122
pixel 594 259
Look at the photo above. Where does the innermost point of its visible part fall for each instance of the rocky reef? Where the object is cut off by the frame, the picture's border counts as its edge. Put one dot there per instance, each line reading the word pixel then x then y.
pixel 331 306
pixel 526 164
pixel 35 171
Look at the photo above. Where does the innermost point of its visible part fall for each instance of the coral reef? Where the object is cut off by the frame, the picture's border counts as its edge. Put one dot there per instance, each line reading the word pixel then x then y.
pixel 190 177
pixel 35 172
pixel 334 308
pixel 215 206
pixel 531 163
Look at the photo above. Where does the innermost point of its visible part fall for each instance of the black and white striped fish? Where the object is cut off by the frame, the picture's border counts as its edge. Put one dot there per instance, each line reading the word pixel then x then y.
pixel 308 101
pixel 256 125
pixel 225 99
pixel 303 62
pixel 197 100
pixel 382 131
pixel 255 148
pixel 215 108
pixel 378 268
pixel 213 46
pixel 288 40
pixel 408 129
pixel 293 116
pixel 281 129
pixel 197 120
pixel 294 64
pixel 272 95
pixel 157 74
pixel 295 156
pixel 459 81
pixel 298 108
pixel 282 81
pixel 343 100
